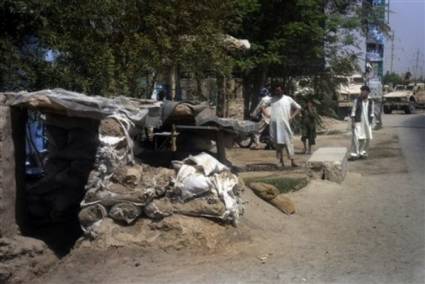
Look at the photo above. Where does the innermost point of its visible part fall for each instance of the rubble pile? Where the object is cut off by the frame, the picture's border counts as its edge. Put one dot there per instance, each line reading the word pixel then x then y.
pixel 121 189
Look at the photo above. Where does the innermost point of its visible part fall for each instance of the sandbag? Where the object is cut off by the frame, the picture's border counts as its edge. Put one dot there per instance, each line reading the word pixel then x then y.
pixel 91 214
pixel 208 206
pixel 207 163
pixel 125 212
pixel 264 190
pixel 284 204
pixel 128 176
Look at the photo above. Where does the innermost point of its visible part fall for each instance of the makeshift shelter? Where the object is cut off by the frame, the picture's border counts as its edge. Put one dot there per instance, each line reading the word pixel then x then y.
pixel 94 167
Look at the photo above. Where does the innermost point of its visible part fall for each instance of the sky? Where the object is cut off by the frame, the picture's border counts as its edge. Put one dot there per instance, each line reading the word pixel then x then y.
pixel 407 20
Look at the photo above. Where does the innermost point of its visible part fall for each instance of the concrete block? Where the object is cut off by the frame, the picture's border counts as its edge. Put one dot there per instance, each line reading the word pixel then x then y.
pixel 328 163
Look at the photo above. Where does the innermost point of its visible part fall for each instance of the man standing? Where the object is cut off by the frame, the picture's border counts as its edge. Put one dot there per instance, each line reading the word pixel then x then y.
pixel 283 110
pixel 361 118
pixel 264 111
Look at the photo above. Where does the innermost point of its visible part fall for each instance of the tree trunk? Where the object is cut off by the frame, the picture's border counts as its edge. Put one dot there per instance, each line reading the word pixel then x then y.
pixel 247 94
pixel 221 96
pixel 173 82
pixel 252 84
pixel 228 96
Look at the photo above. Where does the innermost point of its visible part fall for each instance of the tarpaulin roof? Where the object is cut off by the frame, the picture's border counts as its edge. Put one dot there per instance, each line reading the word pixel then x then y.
pixel 142 112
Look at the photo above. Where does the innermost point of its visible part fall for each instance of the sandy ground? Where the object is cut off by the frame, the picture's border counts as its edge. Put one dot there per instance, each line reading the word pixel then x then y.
pixel 370 229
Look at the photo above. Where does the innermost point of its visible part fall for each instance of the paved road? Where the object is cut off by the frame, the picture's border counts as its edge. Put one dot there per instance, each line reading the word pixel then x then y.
pixel 411 131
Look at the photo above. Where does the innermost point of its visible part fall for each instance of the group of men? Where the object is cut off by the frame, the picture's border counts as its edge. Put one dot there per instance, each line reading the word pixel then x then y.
pixel 277 111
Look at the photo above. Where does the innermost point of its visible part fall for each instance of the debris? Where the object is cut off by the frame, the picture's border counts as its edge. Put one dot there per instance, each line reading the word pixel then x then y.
pixel 264 258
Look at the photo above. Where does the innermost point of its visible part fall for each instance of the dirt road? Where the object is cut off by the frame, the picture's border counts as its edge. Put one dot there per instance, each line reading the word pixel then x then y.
pixel 370 229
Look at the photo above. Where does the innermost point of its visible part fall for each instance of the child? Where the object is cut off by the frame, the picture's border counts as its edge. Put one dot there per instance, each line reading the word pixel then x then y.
pixel 309 120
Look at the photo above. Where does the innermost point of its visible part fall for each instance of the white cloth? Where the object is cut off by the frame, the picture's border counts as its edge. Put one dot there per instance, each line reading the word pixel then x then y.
pixel 362 131
pixel 280 128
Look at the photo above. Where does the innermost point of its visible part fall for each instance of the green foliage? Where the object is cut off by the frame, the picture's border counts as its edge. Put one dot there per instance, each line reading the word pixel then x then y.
pixel 112 47
pixel 392 79
pixel 298 38
pixel 21 25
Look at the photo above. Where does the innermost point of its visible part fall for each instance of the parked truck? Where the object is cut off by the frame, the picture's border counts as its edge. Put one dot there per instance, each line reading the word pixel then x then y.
pixel 406 98
pixel 347 92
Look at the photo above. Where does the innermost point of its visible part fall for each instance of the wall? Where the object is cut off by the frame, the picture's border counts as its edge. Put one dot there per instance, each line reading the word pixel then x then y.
pixel 8 225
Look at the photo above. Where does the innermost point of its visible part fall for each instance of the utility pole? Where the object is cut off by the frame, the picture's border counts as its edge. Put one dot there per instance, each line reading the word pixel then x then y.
pixel 416 66
pixel 392 52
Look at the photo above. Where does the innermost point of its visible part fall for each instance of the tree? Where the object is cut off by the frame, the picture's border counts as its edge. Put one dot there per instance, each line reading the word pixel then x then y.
pixel 295 38
pixel 392 79
pixel 22 64
pixel 113 47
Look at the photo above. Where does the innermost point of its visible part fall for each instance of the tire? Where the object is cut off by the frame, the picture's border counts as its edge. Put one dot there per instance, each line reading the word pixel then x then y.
pixel 387 110
pixel 245 142
pixel 410 109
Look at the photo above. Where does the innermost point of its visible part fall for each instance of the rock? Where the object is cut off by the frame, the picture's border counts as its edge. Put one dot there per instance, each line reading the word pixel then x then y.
pixel 328 163
pixel 264 190
pixel 284 204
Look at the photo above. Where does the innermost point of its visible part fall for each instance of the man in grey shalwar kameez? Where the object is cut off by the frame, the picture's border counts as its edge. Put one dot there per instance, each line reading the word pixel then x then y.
pixel 362 115
pixel 283 110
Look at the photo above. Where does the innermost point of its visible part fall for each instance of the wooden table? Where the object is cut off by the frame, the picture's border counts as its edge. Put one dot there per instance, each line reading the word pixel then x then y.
pixel 216 133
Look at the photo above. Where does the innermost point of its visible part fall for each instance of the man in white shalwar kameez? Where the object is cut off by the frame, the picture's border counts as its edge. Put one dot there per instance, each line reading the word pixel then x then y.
pixel 283 110
pixel 362 115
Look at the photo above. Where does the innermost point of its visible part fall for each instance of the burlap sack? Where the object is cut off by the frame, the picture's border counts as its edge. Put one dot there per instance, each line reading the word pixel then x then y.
pixel 284 204
pixel 264 190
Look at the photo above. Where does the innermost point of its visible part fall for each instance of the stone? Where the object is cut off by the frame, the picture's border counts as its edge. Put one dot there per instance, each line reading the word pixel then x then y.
pixel 264 190
pixel 284 204
pixel 328 163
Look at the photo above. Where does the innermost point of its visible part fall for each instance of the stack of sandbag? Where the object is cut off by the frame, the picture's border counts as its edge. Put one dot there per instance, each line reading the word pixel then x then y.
pixel 124 190
pixel 203 187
